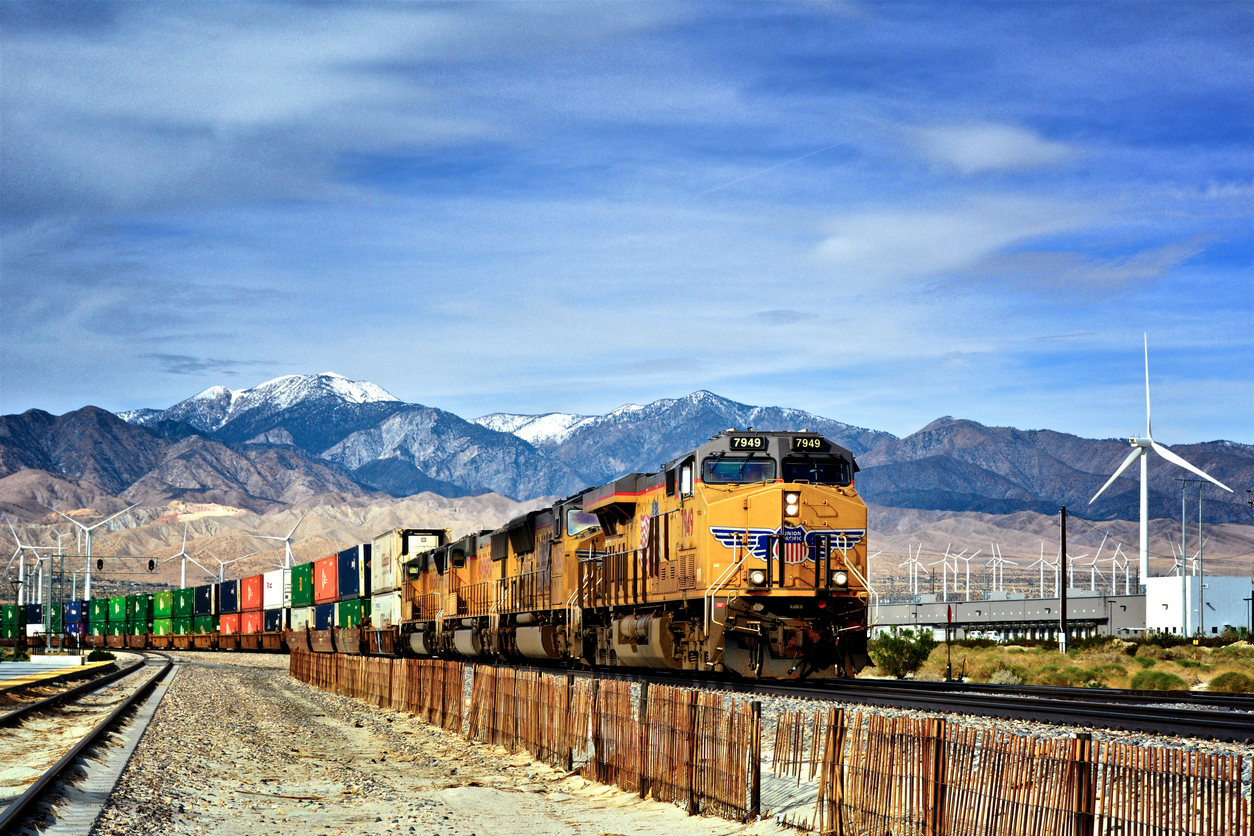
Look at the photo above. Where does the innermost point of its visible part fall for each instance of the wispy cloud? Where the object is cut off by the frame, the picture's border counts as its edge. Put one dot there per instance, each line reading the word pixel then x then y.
pixel 974 149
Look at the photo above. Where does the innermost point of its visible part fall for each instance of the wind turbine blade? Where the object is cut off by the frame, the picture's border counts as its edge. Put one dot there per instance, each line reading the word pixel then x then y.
pixel 1133 456
pixel 298 522
pixel 1174 459
pixel 1148 434
pixel 118 514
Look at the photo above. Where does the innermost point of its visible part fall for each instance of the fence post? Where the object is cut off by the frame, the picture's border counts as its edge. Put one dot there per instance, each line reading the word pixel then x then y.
pixel 1084 790
pixel 940 766
pixel 755 753
pixel 568 742
pixel 693 751
pixel 644 737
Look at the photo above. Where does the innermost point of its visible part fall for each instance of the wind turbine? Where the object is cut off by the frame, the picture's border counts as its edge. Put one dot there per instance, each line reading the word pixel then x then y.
pixel 1140 450
pixel 183 554
pixel 222 564
pixel 286 541
pixel 87 532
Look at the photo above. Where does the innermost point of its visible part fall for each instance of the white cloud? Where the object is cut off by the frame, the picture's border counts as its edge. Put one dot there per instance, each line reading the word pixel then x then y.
pixel 973 149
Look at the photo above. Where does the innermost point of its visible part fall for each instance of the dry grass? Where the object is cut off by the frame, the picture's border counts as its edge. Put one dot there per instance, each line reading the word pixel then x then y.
pixel 1109 666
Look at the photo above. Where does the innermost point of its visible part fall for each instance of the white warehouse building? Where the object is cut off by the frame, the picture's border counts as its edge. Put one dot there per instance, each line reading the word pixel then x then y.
pixel 1217 605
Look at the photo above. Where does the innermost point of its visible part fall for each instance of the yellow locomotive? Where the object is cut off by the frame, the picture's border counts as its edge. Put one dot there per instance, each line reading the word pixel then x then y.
pixel 745 556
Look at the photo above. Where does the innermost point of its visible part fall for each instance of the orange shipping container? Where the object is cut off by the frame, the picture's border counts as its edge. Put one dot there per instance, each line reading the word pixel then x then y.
pixel 250 592
pixel 252 622
pixel 326 580
pixel 229 624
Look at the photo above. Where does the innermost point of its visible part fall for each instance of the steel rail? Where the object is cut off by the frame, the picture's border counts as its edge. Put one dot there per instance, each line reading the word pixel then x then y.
pixel 76 673
pixel 19 805
pixel 70 693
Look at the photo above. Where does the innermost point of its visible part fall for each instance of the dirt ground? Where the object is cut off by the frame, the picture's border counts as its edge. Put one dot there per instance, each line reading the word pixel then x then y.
pixel 241 749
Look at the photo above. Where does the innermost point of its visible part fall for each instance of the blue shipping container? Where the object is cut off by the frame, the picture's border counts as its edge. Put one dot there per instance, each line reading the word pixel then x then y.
pixel 73 612
pixel 276 620
pixel 204 603
pixel 349 563
pixel 34 613
pixel 228 597
pixel 324 616
pixel 365 570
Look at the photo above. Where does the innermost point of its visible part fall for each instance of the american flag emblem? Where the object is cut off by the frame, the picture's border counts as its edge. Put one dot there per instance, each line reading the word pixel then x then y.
pixel 796 547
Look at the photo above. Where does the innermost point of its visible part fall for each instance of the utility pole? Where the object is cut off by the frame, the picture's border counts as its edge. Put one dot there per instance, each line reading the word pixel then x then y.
pixel 1062 612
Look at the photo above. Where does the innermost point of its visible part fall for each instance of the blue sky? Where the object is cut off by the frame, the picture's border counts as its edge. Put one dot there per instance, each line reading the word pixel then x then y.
pixel 879 212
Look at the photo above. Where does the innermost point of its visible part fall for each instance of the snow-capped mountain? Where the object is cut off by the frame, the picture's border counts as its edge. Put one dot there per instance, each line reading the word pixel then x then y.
pixel 551 428
pixel 215 407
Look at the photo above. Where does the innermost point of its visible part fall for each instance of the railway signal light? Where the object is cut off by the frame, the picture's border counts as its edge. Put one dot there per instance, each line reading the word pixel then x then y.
pixel 152 565
pixel 99 563
pixel 792 505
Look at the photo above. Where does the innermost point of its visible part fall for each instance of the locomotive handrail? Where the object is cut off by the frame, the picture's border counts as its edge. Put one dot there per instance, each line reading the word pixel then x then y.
pixel 875 596
pixel 723 579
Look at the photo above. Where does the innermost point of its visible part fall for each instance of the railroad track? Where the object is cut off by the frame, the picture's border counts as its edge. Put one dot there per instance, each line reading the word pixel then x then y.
pixel 1230 718
pixel 12 815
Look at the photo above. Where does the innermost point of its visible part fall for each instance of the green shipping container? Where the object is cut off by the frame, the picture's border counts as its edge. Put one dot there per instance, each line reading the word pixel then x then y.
pixel 302 585
pixel 162 626
pixel 98 610
pixel 97 628
pixel 8 631
pixel 55 627
pixel 203 624
pixel 184 603
pixel 141 608
pixel 8 615
pixel 138 628
pixel 163 605
pixel 117 628
pixel 119 609
pixel 348 613
pixel 182 626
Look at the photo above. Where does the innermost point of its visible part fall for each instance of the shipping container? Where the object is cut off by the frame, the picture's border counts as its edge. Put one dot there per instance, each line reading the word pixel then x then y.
pixel 349 564
pixel 75 629
pixel 204 601
pixel 8 614
pixel 302 585
pixel 204 624
pixel 302 617
pixel 228 597
pixel 163 605
pixel 276 589
pixel 98 610
pixel 184 605
pixel 116 628
pixel 73 612
pixel 326 580
pixel 385 610
pixel 182 625
pixel 139 628
pixel 97 628
pixel 162 626
pixel 55 625
pixel 276 620
pixel 8 630
pixel 34 613
pixel 324 616
pixel 348 613
pixel 142 607
pixel 250 591
pixel 228 624
pixel 392 550
pixel 119 608
pixel 252 621
pixel 33 630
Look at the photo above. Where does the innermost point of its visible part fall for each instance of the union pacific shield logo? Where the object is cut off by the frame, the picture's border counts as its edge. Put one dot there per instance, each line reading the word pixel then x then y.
pixel 799 543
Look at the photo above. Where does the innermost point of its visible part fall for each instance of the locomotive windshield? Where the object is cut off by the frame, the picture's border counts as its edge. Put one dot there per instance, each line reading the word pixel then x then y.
pixel 734 471
pixel 833 471
pixel 578 522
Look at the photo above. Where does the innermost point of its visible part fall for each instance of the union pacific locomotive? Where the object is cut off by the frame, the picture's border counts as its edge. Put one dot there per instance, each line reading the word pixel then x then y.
pixel 746 556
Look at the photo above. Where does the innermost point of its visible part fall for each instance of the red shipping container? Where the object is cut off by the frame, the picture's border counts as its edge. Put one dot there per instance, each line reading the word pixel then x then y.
pixel 326 580
pixel 229 624
pixel 252 622
pixel 250 591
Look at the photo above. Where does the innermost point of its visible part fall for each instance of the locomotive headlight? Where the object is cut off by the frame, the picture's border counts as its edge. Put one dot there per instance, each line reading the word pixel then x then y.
pixel 757 577
pixel 792 504
pixel 840 578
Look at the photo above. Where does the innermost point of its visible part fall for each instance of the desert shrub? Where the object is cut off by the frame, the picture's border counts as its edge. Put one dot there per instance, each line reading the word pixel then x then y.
pixel 1145 661
pixel 1236 652
pixel 1158 681
pixel 99 655
pixel 973 643
pixel 1005 676
pixel 1192 663
pixel 1231 683
pixel 901 652
pixel 1150 651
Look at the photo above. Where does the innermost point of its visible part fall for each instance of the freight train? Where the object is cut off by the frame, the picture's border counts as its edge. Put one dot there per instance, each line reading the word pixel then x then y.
pixel 746 556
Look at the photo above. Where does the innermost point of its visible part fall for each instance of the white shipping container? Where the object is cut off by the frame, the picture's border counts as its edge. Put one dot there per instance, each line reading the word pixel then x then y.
pixel 276 589
pixel 385 610
pixel 389 553
pixel 302 617
pixel 34 629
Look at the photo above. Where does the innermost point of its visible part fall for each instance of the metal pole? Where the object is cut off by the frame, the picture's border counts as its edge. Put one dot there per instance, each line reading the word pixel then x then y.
pixel 1062 611
pixel 1201 567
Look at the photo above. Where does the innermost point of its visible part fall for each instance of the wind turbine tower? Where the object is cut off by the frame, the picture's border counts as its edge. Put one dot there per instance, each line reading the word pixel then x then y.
pixel 87 530
pixel 1140 450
